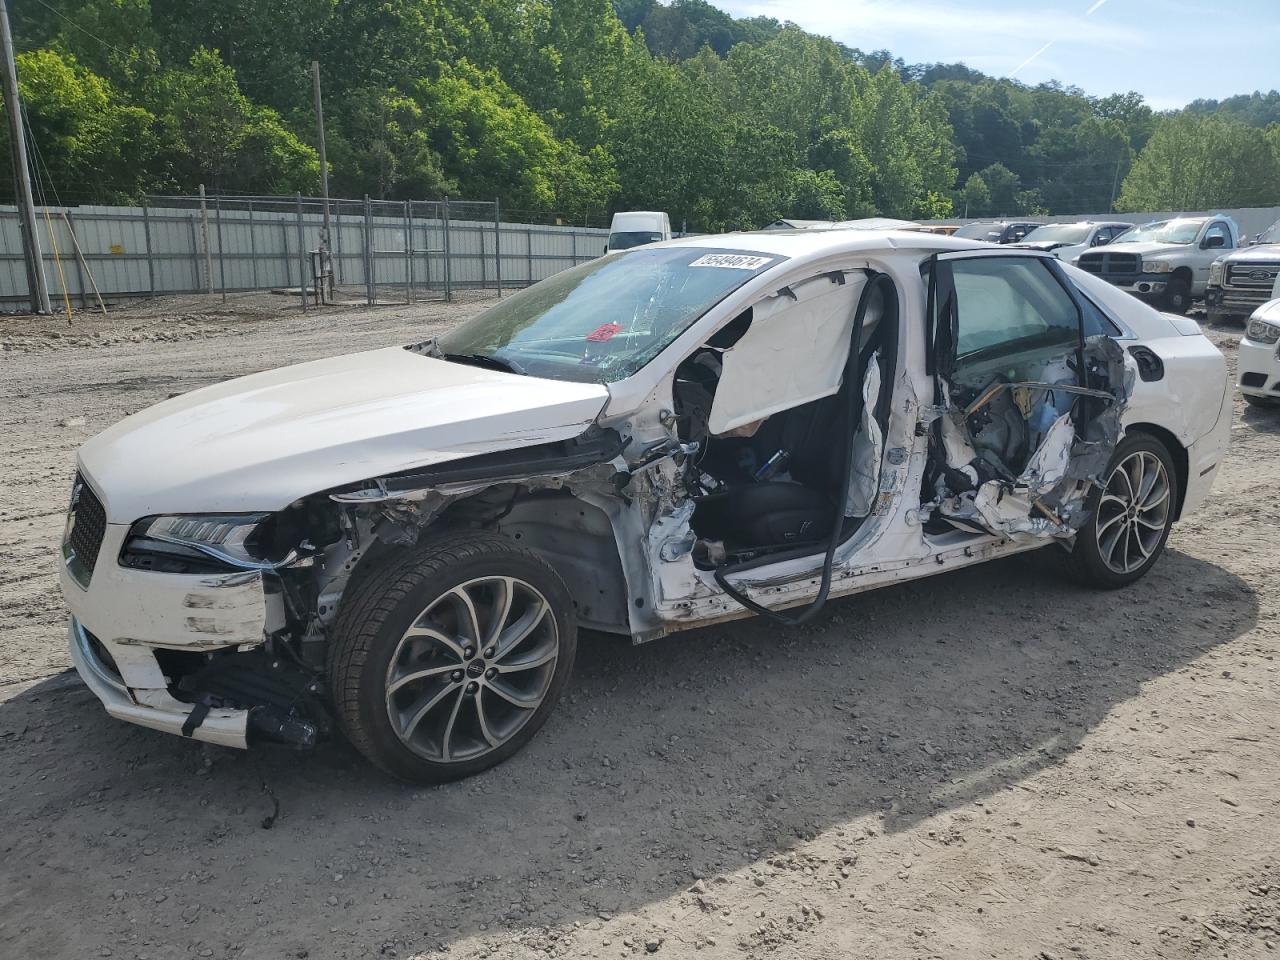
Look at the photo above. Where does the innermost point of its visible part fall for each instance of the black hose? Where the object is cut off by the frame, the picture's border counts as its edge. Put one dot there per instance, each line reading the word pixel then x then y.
pixel 852 379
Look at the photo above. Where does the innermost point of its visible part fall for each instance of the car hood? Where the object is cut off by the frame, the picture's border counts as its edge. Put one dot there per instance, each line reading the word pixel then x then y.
pixel 1261 253
pixel 1145 247
pixel 1040 244
pixel 260 442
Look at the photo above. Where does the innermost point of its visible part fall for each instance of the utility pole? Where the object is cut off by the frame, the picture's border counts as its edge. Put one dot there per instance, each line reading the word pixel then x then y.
pixel 324 164
pixel 22 173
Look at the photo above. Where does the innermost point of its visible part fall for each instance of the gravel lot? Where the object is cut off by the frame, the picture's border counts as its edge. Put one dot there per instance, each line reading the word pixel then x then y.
pixel 991 763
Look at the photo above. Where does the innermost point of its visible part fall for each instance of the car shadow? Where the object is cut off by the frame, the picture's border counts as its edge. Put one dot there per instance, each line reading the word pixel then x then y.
pixel 1264 418
pixel 693 755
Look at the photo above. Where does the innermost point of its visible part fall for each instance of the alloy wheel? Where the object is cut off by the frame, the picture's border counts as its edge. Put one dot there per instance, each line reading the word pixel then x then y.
pixel 472 669
pixel 1133 512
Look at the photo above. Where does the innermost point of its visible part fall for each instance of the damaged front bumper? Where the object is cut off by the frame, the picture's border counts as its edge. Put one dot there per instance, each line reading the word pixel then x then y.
pixel 156 710
pixel 123 618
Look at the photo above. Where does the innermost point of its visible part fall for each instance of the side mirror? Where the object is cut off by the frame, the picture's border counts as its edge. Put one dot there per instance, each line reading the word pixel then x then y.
pixel 1101 241
pixel 606 249
pixel 1214 242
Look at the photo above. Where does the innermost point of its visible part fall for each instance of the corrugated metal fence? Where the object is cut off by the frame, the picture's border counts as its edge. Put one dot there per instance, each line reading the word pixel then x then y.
pixel 381 250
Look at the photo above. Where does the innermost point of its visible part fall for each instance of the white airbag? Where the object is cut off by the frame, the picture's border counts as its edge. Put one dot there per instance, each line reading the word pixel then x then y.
pixel 793 353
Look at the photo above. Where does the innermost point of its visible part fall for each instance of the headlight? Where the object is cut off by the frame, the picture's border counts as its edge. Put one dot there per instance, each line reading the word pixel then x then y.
pixel 1215 273
pixel 194 543
pixel 1155 266
pixel 1260 331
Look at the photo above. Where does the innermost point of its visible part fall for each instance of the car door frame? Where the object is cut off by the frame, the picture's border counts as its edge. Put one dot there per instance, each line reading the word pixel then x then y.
pixel 1051 263
pixel 1083 307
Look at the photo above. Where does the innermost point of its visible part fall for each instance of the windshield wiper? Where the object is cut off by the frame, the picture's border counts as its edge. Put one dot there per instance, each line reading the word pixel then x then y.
pixel 484 360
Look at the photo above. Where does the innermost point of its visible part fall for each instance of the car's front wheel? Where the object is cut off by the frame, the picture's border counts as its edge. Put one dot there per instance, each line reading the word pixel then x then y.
pixel 1130 516
pixel 446 661
pixel 1177 296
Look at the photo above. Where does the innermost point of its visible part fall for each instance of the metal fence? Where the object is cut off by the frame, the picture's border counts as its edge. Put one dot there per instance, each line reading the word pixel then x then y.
pixel 381 251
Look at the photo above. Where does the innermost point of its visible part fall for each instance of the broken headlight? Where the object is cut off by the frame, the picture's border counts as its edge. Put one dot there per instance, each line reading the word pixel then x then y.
pixel 1260 331
pixel 199 543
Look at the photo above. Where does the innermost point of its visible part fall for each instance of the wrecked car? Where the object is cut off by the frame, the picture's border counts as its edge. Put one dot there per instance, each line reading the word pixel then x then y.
pixel 406 544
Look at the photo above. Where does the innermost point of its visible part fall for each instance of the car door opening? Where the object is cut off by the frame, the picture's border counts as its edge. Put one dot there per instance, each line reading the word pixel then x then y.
pixel 1027 404
pixel 771 480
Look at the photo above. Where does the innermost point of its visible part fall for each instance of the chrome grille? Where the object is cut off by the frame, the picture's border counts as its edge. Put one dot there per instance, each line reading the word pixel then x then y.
pixel 1111 265
pixel 86 526
pixel 1251 276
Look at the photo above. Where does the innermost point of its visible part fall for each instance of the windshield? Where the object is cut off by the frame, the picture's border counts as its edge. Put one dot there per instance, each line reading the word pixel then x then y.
pixel 1059 233
pixel 980 231
pixel 625 240
pixel 604 320
pixel 1164 231
pixel 1271 234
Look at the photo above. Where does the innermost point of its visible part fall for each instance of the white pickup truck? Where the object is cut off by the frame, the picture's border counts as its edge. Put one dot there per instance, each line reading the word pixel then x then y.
pixel 1241 282
pixel 1166 262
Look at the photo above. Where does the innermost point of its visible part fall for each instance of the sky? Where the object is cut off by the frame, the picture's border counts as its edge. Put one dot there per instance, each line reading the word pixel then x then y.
pixel 1170 51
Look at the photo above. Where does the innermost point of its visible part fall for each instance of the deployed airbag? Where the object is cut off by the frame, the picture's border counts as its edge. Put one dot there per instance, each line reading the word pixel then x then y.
pixel 793 353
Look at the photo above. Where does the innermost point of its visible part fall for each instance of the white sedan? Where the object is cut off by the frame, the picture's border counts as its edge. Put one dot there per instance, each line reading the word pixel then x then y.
pixel 1258 365
pixel 409 540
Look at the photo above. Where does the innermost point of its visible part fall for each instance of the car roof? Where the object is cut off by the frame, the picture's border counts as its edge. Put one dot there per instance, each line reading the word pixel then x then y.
pixel 815 243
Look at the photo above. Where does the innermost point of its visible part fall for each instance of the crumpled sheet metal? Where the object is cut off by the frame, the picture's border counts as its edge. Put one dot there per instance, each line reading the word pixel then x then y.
pixel 1048 497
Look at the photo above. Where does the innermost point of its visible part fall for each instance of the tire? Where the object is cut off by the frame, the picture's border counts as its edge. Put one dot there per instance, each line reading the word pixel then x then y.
pixel 1101 556
pixel 1177 296
pixel 447 660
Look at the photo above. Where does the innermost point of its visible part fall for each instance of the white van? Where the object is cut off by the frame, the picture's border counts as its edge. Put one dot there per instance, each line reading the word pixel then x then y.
pixel 635 228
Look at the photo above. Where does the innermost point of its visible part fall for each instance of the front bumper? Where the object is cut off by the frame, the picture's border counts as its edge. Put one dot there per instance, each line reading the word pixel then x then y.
pixel 150 708
pixel 1143 289
pixel 130 614
pixel 1258 369
pixel 1234 301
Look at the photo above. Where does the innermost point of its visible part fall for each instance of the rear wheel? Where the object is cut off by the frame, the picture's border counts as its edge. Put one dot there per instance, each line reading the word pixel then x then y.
pixel 448 660
pixel 1130 516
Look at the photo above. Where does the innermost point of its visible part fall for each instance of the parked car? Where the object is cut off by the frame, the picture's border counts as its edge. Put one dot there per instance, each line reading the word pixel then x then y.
pixel 1066 241
pixel 1166 262
pixel 637 227
pixel 410 539
pixel 1258 365
pixel 996 231
pixel 1242 281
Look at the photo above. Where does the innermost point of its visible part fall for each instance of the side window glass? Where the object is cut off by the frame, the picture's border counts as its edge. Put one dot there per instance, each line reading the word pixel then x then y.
pixel 1007 305
pixel 1217 230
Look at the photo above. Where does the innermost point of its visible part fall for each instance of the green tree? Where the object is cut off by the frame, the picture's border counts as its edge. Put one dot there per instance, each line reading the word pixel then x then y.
pixel 1195 163
pixel 974 199
pixel 92 144
pixel 213 134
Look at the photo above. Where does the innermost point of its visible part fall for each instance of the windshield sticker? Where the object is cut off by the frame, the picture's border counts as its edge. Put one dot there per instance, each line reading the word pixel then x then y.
pixel 604 332
pixel 732 261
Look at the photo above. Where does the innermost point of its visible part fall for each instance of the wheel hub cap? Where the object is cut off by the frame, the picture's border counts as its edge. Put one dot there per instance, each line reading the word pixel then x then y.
pixel 446 703
pixel 1133 512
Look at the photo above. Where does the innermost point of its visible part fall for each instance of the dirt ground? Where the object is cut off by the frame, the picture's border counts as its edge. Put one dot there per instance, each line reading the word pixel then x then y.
pixel 991 763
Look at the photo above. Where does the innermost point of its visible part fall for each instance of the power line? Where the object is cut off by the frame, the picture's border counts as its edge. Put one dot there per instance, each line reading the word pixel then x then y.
pixel 87 33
